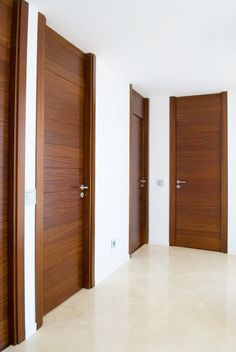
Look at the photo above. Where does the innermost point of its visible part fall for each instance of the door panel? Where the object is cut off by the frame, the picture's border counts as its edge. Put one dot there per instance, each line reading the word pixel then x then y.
pixel 63 210
pixel 198 162
pixel 138 172
pixel 5 49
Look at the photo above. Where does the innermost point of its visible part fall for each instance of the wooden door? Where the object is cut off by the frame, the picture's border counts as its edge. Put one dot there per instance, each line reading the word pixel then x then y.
pixel 138 226
pixel 64 170
pixel 199 172
pixel 5 51
pixel 13 54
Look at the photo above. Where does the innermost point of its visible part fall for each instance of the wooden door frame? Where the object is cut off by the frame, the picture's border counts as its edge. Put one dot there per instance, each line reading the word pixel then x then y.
pixel 224 173
pixel 17 170
pixel 146 163
pixel 90 92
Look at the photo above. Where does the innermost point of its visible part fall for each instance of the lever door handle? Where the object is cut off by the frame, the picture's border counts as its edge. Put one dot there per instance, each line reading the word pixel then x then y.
pixel 180 181
pixel 143 181
pixel 82 187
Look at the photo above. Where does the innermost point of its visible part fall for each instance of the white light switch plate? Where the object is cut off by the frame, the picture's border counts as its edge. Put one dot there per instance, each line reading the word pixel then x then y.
pixel 30 197
pixel 160 183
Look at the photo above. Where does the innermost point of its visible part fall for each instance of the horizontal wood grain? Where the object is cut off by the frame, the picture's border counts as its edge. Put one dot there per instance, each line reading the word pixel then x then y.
pixel 66 158
pixel 64 59
pixel 63 208
pixel 197 156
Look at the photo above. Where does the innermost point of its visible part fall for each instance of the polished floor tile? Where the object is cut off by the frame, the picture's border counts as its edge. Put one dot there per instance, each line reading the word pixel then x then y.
pixel 163 300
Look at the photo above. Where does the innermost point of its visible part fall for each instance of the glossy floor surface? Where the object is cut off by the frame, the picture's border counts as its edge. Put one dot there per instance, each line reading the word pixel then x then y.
pixel 162 300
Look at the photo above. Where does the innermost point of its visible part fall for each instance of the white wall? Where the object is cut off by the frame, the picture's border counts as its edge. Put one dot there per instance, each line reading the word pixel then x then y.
pixel 112 170
pixel 159 169
pixel 30 173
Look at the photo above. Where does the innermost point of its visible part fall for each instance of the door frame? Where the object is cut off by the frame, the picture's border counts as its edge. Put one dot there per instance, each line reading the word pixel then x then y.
pixel 146 166
pixel 224 173
pixel 16 175
pixel 90 110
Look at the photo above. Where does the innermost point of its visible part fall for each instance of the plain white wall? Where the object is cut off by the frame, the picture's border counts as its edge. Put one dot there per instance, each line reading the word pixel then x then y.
pixel 30 172
pixel 159 169
pixel 112 171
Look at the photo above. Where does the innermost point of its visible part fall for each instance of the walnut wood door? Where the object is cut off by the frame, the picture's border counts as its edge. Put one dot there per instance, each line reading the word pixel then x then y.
pixel 138 224
pixel 199 172
pixel 13 56
pixel 64 170
pixel 5 50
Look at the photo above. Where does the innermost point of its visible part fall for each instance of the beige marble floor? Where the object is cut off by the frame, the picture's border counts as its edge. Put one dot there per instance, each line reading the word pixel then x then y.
pixel 163 300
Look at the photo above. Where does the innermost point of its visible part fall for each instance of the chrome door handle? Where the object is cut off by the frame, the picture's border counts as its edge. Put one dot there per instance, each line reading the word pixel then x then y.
pixel 143 181
pixel 180 181
pixel 82 187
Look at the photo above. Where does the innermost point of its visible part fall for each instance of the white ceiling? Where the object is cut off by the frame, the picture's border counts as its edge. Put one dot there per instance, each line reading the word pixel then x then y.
pixel 162 47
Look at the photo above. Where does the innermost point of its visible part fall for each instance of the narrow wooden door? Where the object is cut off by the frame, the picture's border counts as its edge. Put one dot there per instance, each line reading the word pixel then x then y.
pixel 138 225
pixel 64 142
pixel 199 172
pixel 13 57
pixel 5 52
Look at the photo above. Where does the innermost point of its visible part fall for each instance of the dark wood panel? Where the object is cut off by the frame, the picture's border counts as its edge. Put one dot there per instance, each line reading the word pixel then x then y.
pixel 138 214
pixel 136 192
pixel 55 114
pixel 59 180
pixel 62 213
pixel 65 133
pixel 197 157
pixel 137 104
pixel 195 239
pixel 4 84
pixel 13 45
pixel 65 196
pixel 67 100
pixel 6 14
pixel 64 59
pixel 64 142
pixel 57 132
pixel 5 54
pixel 40 168
pixel 17 168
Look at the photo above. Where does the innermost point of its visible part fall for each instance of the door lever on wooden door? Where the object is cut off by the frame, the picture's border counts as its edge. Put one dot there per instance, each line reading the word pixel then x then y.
pixel 82 187
pixel 180 181
pixel 143 181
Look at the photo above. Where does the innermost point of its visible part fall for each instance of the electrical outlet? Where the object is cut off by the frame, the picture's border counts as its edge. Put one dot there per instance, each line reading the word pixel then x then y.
pixel 113 243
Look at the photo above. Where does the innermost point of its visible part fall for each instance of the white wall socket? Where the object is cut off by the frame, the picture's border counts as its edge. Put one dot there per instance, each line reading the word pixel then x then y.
pixel 113 243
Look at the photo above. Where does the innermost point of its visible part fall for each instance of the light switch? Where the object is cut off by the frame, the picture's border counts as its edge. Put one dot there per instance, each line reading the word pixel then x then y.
pixel 30 197
pixel 160 183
